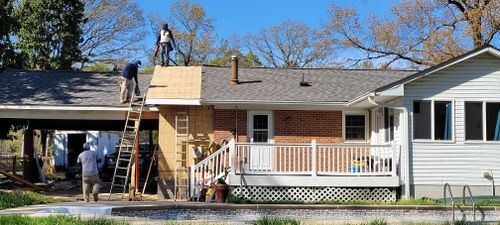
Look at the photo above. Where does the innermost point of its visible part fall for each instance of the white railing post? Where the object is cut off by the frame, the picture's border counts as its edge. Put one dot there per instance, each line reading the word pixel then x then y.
pixel 393 160
pixel 314 158
pixel 192 182
pixel 232 151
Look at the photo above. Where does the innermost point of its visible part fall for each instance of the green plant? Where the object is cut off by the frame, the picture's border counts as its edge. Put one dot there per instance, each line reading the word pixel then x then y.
pixel 56 220
pixel 373 222
pixel 269 220
pixel 20 198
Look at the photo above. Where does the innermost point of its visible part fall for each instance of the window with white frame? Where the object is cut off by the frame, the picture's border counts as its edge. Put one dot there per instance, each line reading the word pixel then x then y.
pixel 482 121
pixel 355 126
pixel 432 120
pixel 389 124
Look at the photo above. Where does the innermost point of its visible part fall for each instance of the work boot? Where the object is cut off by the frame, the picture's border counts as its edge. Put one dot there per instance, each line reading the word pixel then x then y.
pixel 162 64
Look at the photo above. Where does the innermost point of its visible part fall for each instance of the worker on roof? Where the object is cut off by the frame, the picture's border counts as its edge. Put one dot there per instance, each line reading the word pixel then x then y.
pixel 166 43
pixel 90 177
pixel 126 84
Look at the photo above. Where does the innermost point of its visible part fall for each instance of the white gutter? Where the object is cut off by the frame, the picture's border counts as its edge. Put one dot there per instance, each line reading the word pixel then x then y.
pixel 404 141
pixel 73 108
pixel 257 102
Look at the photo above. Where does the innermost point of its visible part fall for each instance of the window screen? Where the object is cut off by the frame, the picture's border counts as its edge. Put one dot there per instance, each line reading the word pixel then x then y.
pixel 473 121
pixel 493 121
pixel 355 127
pixel 260 128
pixel 422 119
pixel 442 120
pixel 389 124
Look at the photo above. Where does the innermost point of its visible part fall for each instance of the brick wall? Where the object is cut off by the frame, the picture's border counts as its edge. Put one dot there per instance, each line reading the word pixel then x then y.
pixel 303 126
pixel 225 124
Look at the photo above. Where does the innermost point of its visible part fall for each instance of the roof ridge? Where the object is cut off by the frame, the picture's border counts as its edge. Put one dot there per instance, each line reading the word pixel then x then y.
pixel 313 68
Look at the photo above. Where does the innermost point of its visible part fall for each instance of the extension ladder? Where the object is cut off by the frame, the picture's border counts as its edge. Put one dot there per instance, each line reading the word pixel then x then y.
pixel 127 146
pixel 181 174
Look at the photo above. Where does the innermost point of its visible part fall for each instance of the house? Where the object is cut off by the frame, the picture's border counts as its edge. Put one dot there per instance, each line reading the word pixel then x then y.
pixel 319 134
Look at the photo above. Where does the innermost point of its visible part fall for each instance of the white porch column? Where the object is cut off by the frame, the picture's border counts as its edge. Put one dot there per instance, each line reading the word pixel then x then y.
pixel 232 151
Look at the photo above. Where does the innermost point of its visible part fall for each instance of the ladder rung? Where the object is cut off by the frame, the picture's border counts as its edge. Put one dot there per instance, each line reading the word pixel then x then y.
pixel 182 120
pixel 122 168
pixel 182 152
pixel 120 176
pixel 181 160
pixel 118 185
pixel 182 169
pixel 124 159
pixel 130 127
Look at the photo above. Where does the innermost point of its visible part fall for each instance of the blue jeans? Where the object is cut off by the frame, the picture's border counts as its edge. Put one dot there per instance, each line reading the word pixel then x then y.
pixel 164 53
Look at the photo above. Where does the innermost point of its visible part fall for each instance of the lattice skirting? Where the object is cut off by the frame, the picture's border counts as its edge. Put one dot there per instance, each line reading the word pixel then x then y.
pixel 314 194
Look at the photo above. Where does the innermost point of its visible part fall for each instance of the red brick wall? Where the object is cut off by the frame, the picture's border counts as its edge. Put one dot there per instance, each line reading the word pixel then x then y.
pixel 303 126
pixel 225 123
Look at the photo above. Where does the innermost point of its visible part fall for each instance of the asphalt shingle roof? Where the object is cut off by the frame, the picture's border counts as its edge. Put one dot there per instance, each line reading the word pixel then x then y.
pixel 69 88
pixel 282 85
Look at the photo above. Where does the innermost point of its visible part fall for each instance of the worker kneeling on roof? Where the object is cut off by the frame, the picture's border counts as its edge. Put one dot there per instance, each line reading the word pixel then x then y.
pixel 90 176
pixel 126 84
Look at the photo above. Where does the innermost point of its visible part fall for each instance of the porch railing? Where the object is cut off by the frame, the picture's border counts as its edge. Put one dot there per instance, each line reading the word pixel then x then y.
pixel 313 159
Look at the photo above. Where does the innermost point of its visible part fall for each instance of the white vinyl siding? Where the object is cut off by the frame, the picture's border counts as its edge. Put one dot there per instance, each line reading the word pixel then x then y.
pixel 455 162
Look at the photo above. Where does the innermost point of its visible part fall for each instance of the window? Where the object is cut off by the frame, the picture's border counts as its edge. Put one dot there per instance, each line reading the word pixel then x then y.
pixel 482 121
pixel 389 124
pixel 422 119
pixel 493 121
pixel 473 121
pixel 355 127
pixel 432 114
pixel 260 128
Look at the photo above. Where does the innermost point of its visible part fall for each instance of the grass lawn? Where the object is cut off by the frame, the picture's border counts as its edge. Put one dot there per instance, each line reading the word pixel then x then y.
pixel 11 199
pixel 56 220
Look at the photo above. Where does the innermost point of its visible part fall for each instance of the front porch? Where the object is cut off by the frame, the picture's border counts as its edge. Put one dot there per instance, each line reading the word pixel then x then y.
pixel 300 165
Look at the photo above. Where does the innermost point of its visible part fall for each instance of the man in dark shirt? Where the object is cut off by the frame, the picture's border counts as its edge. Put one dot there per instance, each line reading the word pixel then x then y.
pixel 126 84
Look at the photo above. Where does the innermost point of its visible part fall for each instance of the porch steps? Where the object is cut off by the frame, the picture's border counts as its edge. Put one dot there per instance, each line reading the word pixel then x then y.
pixel 181 176
pixel 127 146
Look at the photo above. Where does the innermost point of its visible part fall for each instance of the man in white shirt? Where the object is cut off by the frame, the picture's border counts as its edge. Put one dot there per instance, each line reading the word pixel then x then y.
pixel 90 176
pixel 166 43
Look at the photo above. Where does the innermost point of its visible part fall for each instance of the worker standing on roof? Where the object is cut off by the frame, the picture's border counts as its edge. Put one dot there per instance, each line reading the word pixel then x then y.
pixel 126 84
pixel 166 43
pixel 90 176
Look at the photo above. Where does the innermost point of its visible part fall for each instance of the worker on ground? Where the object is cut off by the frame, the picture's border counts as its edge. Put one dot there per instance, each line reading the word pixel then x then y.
pixel 166 43
pixel 126 84
pixel 90 177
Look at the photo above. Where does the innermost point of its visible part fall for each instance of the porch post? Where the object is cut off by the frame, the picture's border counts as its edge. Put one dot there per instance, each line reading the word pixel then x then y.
pixel 232 149
pixel 314 158
pixel 192 182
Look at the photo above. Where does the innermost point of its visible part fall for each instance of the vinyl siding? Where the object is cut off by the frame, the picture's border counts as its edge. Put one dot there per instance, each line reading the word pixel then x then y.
pixel 458 162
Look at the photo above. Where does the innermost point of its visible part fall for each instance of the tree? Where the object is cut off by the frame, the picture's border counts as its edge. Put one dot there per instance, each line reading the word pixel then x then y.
pixel 192 30
pixel 49 32
pixel 290 44
pixel 418 32
pixel 112 28
pixel 244 60
pixel 7 55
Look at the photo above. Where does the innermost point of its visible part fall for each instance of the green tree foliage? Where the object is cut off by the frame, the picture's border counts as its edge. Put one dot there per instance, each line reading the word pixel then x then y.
pixel 49 32
pixel 98 67
pixel 245 60
pixel 8 23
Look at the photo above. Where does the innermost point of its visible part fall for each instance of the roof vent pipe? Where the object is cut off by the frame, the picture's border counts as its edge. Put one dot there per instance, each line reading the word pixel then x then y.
pixel 234 70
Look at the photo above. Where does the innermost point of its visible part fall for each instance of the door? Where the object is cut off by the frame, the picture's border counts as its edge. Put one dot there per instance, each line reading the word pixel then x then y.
pixel 75 147
pixel 260 126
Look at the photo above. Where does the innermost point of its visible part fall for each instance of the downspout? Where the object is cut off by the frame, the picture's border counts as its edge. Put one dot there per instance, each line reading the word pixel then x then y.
pixel 404 141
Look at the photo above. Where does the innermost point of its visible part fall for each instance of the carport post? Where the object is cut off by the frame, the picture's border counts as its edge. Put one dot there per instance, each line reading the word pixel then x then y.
pixel 29 166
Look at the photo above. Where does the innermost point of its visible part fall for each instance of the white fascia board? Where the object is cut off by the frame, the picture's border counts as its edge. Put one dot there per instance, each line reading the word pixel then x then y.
pixel 397 91
pixel 73 108
pixel 172 101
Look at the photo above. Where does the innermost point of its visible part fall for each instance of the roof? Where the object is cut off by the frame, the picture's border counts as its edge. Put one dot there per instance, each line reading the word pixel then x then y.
pixel 282 85
pixel 62 88
pixel 175 83
pixel 484 49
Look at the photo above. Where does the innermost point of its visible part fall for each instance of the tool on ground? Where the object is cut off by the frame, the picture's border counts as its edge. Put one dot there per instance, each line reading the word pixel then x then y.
pixel 153 159
pixel 127 146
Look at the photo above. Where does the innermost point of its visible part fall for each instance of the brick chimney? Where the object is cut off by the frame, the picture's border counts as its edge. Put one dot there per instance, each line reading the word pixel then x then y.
pixel 234 70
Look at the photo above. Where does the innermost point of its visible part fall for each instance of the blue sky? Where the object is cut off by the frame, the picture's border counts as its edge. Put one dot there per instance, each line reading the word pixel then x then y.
pixel 241 17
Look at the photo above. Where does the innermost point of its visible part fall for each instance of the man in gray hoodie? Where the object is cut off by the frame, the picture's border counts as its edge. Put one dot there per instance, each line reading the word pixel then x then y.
pixel 90 175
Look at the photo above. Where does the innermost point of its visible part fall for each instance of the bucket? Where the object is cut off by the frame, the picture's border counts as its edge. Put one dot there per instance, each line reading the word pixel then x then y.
pixel 221 192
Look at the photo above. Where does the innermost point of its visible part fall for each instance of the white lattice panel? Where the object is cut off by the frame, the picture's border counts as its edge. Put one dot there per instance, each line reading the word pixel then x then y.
pixel 314 194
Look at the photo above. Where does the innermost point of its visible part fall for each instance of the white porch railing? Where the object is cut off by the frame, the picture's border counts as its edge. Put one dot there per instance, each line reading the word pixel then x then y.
pixel 211 168
pixel 313 159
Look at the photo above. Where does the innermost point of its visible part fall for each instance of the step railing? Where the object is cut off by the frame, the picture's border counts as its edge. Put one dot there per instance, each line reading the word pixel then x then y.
pixel 211 168
pixel 447 189
pixel 471 198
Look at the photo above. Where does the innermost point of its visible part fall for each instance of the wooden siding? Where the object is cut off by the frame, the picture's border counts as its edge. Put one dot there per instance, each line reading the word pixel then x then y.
pixel 456 162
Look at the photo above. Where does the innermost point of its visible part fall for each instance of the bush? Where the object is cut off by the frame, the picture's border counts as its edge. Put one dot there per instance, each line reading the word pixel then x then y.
pixel 21 198
pixel 56 220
